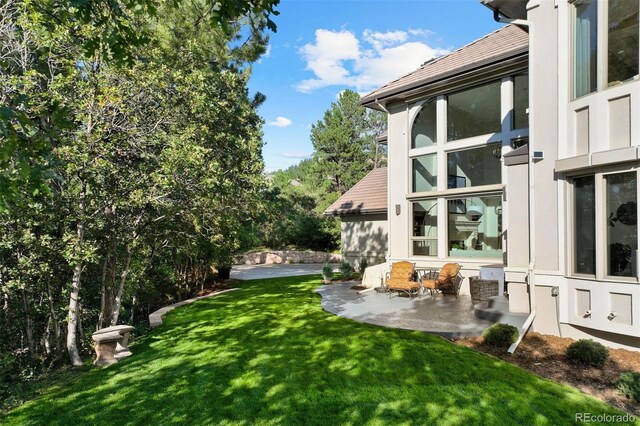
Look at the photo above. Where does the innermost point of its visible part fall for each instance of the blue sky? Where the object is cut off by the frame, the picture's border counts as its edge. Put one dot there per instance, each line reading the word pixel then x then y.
pixel 324 47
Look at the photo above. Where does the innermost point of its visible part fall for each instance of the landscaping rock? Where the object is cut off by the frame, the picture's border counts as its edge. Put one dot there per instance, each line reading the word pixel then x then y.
pixel 285 256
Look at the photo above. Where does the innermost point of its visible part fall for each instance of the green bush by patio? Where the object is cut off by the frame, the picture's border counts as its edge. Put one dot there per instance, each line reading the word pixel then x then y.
pixel 629 385
pixel 588 352
pixel 268 354
pixel 500 335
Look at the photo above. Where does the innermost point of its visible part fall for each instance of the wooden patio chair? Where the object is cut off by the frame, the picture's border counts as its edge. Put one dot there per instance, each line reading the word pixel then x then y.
pixel 448 280
pixel 401 279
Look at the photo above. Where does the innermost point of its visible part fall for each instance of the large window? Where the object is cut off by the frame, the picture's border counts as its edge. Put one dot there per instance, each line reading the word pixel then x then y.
pixel 424 176
pixel 619 37
pixel 622 20
pixel 461 180
pixel 622 227
pixel 474 167
pixel 585 48
pixel 425 228
pixel 612 213
pixel 474 112
pixel 584 217
pixel 475 226
pixel 423 131
pixel 520 101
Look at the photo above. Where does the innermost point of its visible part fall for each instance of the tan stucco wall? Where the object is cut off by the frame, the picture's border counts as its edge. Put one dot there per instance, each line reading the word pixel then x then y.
pixel 398 161
pixel 543 125
pixel 517 231
pixel 364 234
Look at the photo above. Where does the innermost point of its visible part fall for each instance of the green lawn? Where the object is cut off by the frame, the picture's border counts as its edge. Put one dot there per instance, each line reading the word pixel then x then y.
pixel 268 353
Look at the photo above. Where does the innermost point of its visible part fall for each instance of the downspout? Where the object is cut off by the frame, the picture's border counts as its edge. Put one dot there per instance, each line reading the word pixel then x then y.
pixel 377 102
pixel 532 245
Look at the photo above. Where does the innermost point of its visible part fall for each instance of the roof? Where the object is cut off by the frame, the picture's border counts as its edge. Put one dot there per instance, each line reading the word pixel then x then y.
pixel 367 196
pixel 382 137
pixel 507 42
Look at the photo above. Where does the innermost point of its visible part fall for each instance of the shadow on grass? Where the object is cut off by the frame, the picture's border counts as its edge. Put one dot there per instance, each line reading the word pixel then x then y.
pixel 269 354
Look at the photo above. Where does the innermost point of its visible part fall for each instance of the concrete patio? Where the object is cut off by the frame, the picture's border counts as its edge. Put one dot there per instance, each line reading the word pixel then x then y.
pixel 445 316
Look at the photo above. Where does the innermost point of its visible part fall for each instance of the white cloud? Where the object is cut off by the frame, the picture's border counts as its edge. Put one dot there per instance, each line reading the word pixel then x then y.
pixel 280 122
pixel 339 58
pixel 265 55
pixel 297 155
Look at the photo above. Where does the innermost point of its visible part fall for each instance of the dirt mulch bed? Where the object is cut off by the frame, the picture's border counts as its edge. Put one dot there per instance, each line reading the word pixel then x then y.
pixel 544 355
pixel 218 286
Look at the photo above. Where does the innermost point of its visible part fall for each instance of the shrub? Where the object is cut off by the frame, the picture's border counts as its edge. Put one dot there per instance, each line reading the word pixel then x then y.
pixel 629 385
pixel 500 335
pixel 346 269
pixel 589 352
pixel 363 263
pixel 327 271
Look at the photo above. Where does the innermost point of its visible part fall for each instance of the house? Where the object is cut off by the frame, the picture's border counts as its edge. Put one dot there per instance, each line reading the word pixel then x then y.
pixel 522 149
pixel 363 217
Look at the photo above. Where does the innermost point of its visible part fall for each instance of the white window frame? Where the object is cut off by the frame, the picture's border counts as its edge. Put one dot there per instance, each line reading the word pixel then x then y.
pixel 602 253
pixel 602 68
pixel 442 148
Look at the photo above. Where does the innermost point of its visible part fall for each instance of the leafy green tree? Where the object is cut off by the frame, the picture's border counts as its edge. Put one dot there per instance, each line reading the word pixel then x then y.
pixel 153 171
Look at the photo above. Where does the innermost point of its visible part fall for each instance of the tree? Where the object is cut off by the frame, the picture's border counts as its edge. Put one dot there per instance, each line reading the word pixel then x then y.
pixel 112 32
pixel 344 142
pixel 153 167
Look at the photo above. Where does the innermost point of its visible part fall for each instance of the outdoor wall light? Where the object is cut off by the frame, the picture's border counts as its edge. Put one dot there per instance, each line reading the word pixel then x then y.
pixel 397 209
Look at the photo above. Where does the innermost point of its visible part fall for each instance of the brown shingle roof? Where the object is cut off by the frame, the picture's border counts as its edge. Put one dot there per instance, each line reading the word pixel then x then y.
pixel 367 196
pixel 504 43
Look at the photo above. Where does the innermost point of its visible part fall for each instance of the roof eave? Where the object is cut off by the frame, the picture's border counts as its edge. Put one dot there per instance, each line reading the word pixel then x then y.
pixel 354 212
pixel 374 101
pixel 512 9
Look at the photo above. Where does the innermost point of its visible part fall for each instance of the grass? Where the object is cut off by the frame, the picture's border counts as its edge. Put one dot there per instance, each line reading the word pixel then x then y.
pixel 268 354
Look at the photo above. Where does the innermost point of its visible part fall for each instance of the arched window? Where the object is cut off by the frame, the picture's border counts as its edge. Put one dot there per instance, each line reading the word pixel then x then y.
pixel 423 131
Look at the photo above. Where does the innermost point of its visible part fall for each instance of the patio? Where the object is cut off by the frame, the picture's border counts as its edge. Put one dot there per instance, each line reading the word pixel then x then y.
pixel 445 316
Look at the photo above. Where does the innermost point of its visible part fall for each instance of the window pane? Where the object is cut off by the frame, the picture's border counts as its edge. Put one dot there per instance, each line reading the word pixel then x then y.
pixel 425 227
pixel 423 132
pixel 520 102
pixel 623 40
pixel 584 219
pixel 585 48
pixel 474 112
pixel 474 167
pixel 475 226
pixel 622 227
pixel 424 176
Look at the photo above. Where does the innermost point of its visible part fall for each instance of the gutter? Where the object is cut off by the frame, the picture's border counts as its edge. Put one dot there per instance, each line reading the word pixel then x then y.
pixel 532 246
pixel 381 107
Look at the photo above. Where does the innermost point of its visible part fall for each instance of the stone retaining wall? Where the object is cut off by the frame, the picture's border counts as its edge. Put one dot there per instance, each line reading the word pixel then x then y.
pixel 285 256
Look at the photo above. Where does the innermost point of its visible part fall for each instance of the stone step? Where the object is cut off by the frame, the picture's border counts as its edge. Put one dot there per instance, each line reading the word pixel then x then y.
pixel 500 303
pixel 483 311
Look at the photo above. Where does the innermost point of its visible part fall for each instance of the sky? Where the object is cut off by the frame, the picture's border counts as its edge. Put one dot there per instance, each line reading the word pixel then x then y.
pixel 324 47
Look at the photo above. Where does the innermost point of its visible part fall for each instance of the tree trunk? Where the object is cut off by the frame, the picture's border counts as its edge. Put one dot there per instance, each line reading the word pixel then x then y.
pixel 74 297
pixel 72 325
pixel 53 316
pixel 28 325
pixel 102 291
pixel 115 313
